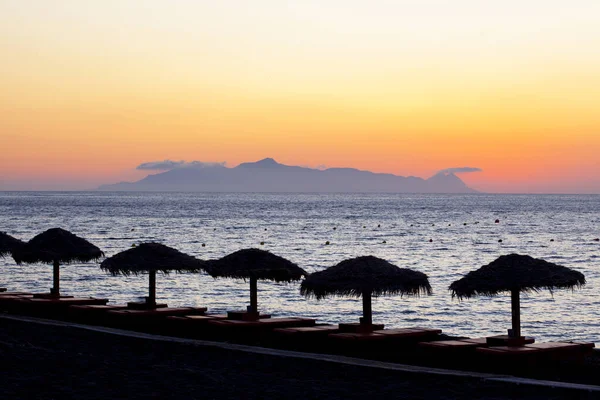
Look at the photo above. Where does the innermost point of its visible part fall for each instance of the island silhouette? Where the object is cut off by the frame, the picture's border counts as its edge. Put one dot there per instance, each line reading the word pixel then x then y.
pixel 267 175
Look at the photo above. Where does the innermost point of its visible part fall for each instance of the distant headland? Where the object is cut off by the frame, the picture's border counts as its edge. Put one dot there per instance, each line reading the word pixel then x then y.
pixel 268 175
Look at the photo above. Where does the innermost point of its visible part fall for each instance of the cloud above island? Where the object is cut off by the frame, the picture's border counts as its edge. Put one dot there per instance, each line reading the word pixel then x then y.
pixel 460 170
pixel 167 165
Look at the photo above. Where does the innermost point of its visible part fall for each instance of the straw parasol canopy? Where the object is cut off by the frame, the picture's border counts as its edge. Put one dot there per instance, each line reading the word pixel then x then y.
pixel 365 277
pixel 151 257
pixel 516 273
pixel 255 264
pixel 8 244
pixel 56 246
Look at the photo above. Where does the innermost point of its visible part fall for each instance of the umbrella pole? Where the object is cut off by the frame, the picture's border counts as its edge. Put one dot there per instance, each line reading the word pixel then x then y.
pixel 367 318
pixel 151 288
pixel 515 304
pixel 56 279
pixel 253 295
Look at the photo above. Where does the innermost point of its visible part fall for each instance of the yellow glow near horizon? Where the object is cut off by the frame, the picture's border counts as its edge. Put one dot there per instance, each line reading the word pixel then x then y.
pixel 92 89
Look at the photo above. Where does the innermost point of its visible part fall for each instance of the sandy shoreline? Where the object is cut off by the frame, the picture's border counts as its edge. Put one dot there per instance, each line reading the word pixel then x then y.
pixel 46 361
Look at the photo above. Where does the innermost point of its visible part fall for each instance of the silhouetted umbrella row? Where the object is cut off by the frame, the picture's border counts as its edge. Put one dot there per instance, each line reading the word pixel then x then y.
pixel 516 273
pixel 364 277
pixel 56 246
pixel 255 264
pixel 151 257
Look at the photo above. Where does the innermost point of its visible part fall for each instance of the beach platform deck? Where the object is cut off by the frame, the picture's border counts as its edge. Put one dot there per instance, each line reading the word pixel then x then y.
pixel 5 294
pixel 538 351
pixel 533 357
pixel 51 296
pixel 505 340
pixel 458 345
pixel 389 335
pixel 50 307
pixel 192 326
pixel 304 338
pixel 101 365
pixel 92 313
pixel 382 342
pixel 148 319
pixel 255 331
pixel 264 323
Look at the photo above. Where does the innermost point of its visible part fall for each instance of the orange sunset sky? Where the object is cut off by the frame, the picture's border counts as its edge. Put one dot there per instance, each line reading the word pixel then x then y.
pixel 91 89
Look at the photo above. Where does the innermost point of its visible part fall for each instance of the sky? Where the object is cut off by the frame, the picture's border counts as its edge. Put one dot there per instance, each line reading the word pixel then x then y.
pixel 91 89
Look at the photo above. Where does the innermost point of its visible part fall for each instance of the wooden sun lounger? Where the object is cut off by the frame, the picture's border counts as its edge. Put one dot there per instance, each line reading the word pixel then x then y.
pixel 537 348
pixel 416 332
pixel 388 334
pixel 505 340
pixel 304 338
pixel 68 301
pixel 536 354
pixel 355 327
pixel 246 315
pixel 157 312
pixel 358 337
pixel 51 307
pixel 254 331
pixel 98 307
pixel 152 320
pixel 455 345
pixel 264 323
pixel 9 294
pixel 192 320
pixel 59 304
pixel 51 296
pixel 308 331
pixel 195 326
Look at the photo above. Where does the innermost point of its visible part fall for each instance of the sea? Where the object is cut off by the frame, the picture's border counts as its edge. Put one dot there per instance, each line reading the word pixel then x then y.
pixel 444 236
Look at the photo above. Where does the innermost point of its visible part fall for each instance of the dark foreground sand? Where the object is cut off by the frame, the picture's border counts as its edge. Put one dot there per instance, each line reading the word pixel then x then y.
pixel 54 362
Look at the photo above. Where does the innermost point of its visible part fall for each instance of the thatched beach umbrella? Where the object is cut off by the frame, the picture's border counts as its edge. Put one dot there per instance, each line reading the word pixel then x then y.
pixel 56 246
pixel 255 264
pixel 516 273
pixel 151 257
pixel 365 277
pixel 8 244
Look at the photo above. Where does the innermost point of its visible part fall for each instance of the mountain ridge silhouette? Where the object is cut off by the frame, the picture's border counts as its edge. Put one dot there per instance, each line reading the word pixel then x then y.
pixel 267 175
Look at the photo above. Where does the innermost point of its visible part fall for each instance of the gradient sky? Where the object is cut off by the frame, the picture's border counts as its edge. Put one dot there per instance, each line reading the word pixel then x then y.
pixel 91 89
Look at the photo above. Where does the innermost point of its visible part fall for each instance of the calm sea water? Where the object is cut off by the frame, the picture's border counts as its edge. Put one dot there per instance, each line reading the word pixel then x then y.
pixel 462 228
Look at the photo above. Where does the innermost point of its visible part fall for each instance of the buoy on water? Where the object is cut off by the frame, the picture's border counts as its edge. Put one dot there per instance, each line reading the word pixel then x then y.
pixel 499 240
pixel 497 221
pixel 430 240
pixel 262 243
pixel 384 242
pixel 327 243
pixel 203 245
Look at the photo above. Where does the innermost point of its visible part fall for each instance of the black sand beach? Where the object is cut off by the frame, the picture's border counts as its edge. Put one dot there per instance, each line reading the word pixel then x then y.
pixel 61 362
